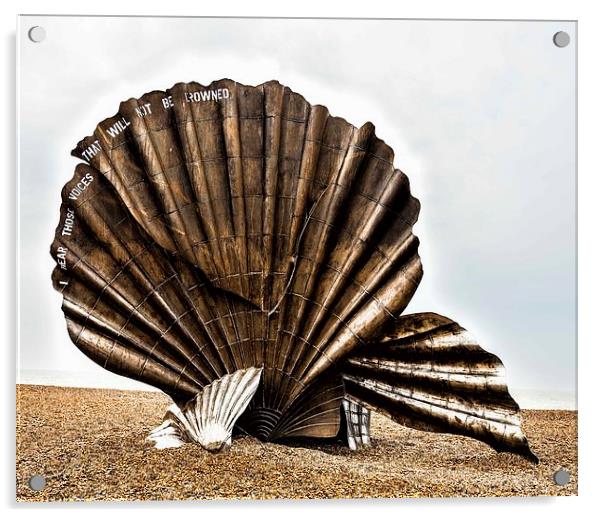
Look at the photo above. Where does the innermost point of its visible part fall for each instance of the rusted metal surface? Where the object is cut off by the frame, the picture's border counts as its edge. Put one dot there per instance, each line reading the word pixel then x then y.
pixel 429 373
pixel 224 227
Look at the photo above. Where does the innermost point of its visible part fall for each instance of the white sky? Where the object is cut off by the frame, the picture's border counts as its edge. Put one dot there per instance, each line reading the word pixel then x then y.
pixel 481 116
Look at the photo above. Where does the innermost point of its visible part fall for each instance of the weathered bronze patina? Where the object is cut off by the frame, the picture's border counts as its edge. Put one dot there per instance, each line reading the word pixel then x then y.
pixel 222 228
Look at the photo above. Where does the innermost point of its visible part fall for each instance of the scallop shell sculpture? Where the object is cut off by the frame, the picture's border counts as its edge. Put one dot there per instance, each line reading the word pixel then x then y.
pixel 251 256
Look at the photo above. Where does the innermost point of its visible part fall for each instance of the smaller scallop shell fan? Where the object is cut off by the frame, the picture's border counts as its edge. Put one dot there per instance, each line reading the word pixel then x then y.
pixel 251 256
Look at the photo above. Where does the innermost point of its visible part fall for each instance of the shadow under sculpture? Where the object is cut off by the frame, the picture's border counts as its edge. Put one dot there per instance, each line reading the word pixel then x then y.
pixel 251 256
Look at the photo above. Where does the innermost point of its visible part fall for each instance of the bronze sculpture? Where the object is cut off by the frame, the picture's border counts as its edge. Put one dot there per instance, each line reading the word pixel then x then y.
pixel 251 255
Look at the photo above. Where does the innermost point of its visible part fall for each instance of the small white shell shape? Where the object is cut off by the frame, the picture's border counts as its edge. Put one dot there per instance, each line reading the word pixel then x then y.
pixel 209 418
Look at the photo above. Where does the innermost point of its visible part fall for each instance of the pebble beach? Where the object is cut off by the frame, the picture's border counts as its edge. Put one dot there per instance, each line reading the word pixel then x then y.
pixel 89 444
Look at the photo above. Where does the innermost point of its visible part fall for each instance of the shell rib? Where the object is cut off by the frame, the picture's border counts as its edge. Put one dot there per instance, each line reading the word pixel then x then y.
pixel 209 418
pixel 429 373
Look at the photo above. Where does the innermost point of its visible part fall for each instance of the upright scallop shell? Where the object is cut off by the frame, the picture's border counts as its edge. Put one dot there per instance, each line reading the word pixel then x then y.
pixel 221 228
pixel 210 416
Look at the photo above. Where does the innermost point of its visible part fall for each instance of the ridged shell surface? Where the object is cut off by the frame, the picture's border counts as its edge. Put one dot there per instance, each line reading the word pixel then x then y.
pixel 429 373
pixel 217 228
pixel 209 418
